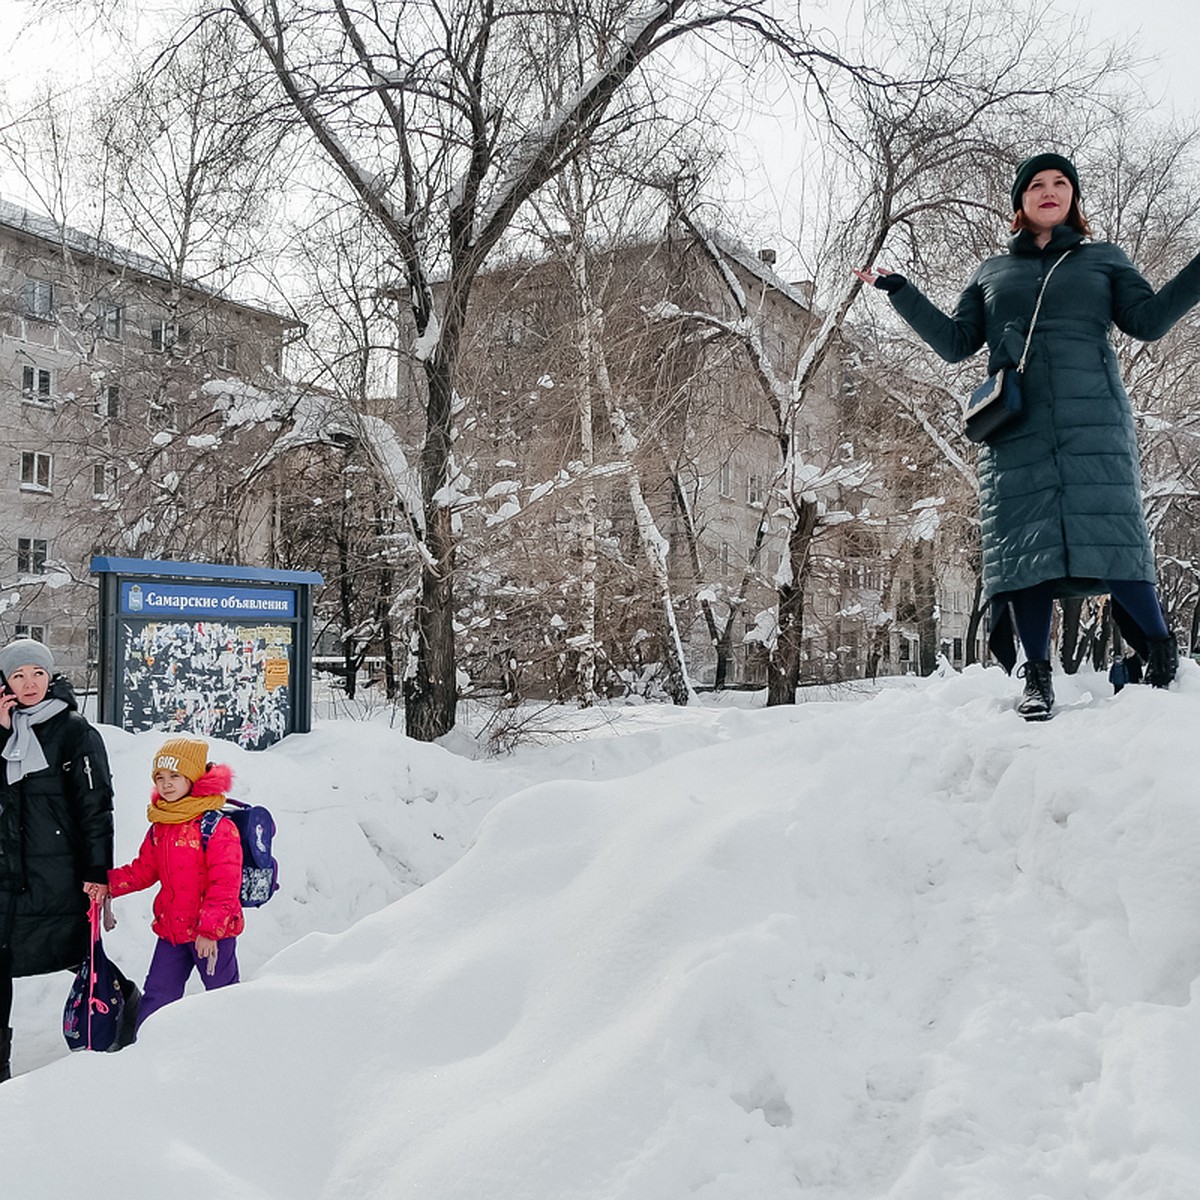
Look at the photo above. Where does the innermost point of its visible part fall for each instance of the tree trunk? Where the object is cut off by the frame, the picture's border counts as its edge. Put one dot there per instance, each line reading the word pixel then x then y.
pixel 718 637
pixel 346 603
pixel 977 610
pixel 385 596
pixel 654 545
pixel 783 663
pixel 1072 651
pixel 430 685
pixel 586 665
pixel 430 688
pixel 883 631
pixel 1104 632
pixel 924 597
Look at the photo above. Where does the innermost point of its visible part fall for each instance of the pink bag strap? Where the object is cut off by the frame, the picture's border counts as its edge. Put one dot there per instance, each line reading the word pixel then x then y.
pixel 94 922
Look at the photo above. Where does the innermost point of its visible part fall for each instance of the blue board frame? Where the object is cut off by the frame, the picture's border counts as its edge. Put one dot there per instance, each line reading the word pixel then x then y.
pixel 212 649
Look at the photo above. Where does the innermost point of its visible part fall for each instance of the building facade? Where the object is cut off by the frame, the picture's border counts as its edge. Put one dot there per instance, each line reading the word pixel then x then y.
pixel 133 408
pixel 570 398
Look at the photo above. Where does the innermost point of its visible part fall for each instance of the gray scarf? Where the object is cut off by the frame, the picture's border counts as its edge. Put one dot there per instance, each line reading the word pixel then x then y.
pixel 23 752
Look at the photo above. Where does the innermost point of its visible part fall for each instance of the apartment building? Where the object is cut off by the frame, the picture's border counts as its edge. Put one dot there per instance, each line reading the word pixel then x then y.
pixel 696 427
pixel 133 408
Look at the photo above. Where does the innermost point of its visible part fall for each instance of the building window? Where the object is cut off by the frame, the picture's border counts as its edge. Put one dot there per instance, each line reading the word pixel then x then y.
pixel 36 632
pixel 31 556
pixel 725 479
pixel 104 481
pixel 958 649
pixel 112 321
pixel 108 400
pixel 35 472
pixel 725 558
pixel 167 335
pixel 39 298
pixel 37 383
pixel 754 489
pixel 227 357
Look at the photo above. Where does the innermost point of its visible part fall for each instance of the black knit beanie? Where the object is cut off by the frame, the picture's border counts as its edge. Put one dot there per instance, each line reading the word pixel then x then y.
pixel 1042 162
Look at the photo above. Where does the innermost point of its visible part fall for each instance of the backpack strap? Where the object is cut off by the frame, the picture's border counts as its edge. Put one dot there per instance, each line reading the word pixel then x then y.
pixel 212 818
pixel 208 823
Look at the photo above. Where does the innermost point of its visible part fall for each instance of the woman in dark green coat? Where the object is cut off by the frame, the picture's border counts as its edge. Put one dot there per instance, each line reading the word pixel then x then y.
pixel 1060 489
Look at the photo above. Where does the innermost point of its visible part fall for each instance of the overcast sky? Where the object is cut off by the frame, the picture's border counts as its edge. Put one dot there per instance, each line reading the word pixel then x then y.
pixel 1167 32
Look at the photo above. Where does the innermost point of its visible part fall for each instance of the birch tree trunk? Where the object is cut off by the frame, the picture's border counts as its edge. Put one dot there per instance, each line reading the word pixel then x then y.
pixel 586 666
pixel 654 545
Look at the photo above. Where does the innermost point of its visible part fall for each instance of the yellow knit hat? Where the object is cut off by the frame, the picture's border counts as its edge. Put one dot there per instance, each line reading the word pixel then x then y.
pixel 183 755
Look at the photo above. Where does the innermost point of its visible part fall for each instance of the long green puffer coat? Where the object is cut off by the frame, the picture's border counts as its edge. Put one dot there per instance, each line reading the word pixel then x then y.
pixel 1060 492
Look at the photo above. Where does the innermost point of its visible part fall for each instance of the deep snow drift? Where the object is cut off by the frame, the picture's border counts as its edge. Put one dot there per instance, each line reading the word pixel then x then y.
pixel 899 946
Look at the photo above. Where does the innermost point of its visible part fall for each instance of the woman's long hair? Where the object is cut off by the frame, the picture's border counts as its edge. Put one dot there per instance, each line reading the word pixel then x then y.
pixel 1075 219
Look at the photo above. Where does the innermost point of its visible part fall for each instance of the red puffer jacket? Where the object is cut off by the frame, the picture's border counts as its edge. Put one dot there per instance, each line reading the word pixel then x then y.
pixel 200 891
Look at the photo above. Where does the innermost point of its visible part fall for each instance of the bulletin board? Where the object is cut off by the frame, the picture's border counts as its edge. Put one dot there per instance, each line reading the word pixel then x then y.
pixel 203 648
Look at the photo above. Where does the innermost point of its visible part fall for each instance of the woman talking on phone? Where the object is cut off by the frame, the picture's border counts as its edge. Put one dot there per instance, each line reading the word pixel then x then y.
pixel 56 828
pixel 1060 491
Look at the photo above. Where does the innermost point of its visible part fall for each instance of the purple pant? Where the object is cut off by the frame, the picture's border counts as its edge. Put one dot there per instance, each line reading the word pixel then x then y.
pixel 171 966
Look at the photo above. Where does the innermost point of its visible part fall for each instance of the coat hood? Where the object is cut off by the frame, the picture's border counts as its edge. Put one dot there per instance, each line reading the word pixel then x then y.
pixel 60 689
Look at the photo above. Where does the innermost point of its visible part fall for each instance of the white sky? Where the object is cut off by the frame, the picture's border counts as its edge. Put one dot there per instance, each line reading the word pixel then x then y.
pixel 767 188
pixel 771 192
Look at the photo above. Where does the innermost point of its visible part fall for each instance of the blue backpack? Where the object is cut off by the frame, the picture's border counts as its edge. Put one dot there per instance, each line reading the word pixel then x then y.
pixel 256 830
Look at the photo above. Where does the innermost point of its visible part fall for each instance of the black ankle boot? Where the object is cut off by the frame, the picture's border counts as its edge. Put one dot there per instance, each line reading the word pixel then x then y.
pixel 1038 701
pixel 1163 664
pixel 5 1055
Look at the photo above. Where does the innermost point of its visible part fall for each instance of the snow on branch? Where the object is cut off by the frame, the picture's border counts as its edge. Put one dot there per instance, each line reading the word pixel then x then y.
pixel 745 330
pixel 544 147
pixel 951 455
pixel 403 479
pixel 564 481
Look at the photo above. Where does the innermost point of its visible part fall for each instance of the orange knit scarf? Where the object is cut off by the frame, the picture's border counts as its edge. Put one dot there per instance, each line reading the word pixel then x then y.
pixel 186 808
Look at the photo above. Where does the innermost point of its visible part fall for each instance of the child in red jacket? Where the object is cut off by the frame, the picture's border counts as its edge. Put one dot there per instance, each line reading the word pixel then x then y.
pixel 198 910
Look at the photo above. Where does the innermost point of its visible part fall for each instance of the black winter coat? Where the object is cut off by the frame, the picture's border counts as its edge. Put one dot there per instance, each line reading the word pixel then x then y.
pixel 1060 490
pixel 56 833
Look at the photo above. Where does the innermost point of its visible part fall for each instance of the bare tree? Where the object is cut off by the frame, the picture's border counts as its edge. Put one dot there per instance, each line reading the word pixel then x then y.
pixel 420 111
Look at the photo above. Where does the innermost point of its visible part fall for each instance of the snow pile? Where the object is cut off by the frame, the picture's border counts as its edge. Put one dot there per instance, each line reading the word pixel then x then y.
pixel 902 946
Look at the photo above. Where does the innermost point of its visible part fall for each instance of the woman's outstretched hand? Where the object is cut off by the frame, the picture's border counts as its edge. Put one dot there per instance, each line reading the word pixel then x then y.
pixel 870 274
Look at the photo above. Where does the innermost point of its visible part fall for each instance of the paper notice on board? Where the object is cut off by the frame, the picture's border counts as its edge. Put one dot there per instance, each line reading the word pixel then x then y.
pixel 275 673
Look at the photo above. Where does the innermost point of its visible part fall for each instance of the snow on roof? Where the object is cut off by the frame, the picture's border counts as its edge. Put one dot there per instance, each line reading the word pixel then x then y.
pixel 46 229
pixel 749 261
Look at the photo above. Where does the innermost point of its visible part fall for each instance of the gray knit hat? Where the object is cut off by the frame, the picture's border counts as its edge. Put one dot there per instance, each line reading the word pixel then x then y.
pixel 25 652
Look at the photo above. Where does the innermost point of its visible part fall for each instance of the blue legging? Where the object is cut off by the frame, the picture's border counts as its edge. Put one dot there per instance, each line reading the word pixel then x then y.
pixel 1032 609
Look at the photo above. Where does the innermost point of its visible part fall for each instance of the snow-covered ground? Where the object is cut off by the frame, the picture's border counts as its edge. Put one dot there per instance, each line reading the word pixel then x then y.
pixel 899 946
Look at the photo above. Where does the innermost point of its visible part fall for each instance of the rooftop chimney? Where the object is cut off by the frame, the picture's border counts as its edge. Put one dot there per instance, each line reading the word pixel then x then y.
pixel 767 256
